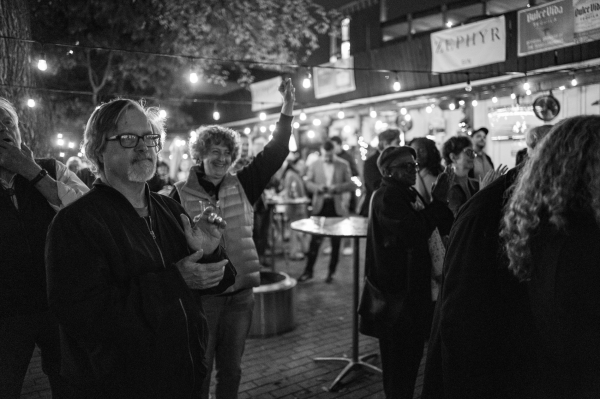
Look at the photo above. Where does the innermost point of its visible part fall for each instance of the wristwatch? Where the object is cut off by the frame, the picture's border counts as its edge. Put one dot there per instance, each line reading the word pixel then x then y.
pixel 43 173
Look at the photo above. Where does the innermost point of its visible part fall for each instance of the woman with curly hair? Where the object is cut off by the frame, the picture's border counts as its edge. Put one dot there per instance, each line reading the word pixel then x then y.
pixel 430 165
pixel 551 229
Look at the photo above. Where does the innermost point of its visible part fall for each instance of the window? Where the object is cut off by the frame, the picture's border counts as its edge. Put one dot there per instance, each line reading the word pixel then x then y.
pixel 395 31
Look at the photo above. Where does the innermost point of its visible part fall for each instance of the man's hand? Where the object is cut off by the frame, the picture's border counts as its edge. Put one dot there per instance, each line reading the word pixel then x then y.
pixel 288 92
pixel 444 181
pixel 200 276
pixel 19 161
pixel 207 231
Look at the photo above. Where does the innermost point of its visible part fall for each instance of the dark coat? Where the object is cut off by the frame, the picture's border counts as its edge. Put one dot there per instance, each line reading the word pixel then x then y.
pixel 457 196
pixel 372 179
pixel 130 327
pixel 481 339
pixel 397 257
pixel 565 301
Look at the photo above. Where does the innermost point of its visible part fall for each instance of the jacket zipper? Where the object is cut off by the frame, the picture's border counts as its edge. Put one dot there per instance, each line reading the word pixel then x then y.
pixel 187 324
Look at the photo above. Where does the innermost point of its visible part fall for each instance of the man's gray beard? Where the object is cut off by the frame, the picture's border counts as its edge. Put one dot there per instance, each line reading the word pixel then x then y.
pixel 141 172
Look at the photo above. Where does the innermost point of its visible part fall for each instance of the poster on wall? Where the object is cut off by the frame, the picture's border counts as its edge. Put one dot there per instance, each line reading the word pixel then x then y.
pixel 469 46
pixel 587 20
pixel 265 94
pixel 329 82
pixel 558 24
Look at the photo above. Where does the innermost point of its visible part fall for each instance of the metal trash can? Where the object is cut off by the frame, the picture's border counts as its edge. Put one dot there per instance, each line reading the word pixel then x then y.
pixel 274 306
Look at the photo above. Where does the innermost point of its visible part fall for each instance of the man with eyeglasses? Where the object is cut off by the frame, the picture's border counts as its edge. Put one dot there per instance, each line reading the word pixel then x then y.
pixel 125 266
pixel 31 192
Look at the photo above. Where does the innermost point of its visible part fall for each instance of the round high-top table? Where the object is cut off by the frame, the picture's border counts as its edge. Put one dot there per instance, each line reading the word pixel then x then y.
pixel 355 227
pixel 272 203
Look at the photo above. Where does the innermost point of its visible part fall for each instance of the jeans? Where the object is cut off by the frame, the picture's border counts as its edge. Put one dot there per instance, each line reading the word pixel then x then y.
pixel 328 210
pixel 229 319
pixel 18 337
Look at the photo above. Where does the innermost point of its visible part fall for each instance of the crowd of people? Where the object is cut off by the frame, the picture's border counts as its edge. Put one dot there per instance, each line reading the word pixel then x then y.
pixel 136 285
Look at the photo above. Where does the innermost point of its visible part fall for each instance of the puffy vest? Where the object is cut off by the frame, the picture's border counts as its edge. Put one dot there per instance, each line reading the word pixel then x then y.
pixel 239 215
pixel 22 245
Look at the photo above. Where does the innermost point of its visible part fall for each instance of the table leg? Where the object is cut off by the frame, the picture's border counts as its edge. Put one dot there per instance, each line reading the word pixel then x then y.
pixel 355 362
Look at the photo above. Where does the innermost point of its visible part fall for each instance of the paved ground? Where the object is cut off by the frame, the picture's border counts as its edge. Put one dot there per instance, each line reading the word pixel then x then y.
pixel 283 366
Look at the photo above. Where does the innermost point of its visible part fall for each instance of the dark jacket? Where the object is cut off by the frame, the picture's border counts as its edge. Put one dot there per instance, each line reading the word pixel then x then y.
pixel 457 196
pixel 481 339
pixel 565 301
pixel 22 241
pixel 472 171
pixel 130 327
pixel 397 257
pixel 372 179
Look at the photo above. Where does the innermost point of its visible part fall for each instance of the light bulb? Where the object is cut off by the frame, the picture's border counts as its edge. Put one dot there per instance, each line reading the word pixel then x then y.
pixel 306 83
pixel 407 117
pixel 296 125
pixel 428 109
pixel 302 116
pixel 403 111
pixel 262 116
pixel 317 122
pixel 310 134
pixel 60 142
pixel 474 103
pixel 271 128
pixel 449 24
pixel 31 103
pixel 574 82
pixel 468 87
pixel 526 86
pixel 59 136
pixel 461 102
pixel 263 129
pixel 397 86
pixel 341 115
pixel 247 130
pixel 513 96
pixel 528 92
pixel 193 77
pixel 42 65
pixel 216 115
pixel 162 114
pixel 451 106
pixel 71 144
pixel 373 114
pixel 562 88
pixel 494 99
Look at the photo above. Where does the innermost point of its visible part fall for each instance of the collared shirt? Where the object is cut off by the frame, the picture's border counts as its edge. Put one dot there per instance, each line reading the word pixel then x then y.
pixel 67 183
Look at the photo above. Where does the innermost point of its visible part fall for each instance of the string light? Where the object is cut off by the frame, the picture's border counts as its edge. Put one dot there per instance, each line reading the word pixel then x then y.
pixel 296 125
pixel 373 113
pixel 528 92
pixel 397 86
pixel 451 106
pixel 562 88
pixel 341 114
pixel 247 130
pixel 474 103
pixel 31 103
pixel 574 81
pixel 262 116
pixel 302 116
pixel 42 65
pixel 193 77
pixel 513 96
pixel 306 83
pixel 162 114
pixel 428 109
pixel 494 99
pixel 317 122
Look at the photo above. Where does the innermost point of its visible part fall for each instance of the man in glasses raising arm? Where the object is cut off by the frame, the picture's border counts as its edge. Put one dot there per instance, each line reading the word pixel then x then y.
pixel 121 263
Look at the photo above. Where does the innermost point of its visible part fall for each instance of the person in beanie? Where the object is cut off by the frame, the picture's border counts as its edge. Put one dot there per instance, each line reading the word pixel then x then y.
pixel 398 263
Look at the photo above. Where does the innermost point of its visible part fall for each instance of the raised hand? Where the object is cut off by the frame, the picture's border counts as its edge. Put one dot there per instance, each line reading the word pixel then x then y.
pixel 288 92
pixel 492 175
pixel 206 232
pixel 444 181
pixel 200 276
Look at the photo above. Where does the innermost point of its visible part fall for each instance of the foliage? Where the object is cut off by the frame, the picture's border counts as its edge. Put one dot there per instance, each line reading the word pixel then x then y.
pixel 248 31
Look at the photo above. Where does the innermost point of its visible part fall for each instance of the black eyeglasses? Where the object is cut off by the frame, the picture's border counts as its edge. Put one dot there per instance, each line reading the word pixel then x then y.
pixel 129 140
pixel 407 166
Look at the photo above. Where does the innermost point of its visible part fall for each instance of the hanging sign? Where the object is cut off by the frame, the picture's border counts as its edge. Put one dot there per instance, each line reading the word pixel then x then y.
pixel 329 82
pixel 469 46
pixel 546 27
pixel 265 94
pixel 587 20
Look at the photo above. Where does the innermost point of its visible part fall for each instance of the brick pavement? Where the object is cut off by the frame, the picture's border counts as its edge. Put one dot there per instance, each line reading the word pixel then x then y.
pixel 281 366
